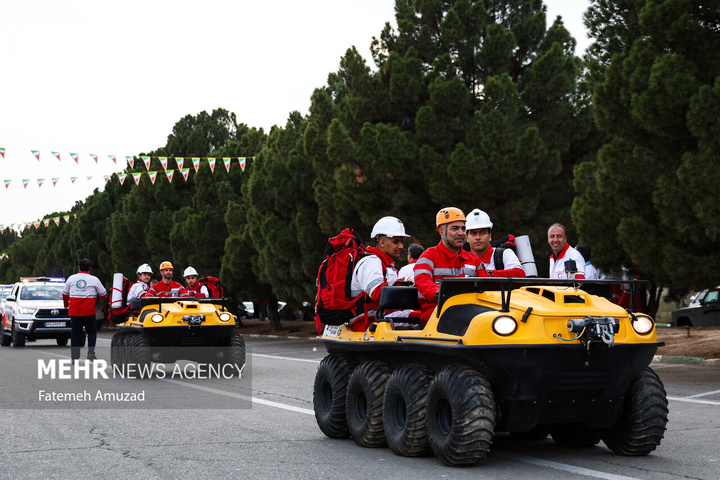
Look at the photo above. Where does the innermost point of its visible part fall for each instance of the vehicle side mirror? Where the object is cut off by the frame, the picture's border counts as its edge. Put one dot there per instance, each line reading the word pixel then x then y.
pixel 11 298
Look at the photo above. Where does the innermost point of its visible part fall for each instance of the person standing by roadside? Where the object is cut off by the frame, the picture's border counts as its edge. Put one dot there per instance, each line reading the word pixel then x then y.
pixel 80 295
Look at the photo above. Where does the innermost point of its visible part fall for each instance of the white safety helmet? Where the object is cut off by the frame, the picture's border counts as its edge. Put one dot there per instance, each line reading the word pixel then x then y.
pixel 477 219
pixel 144 268
pixel 390 227
pixel 189 271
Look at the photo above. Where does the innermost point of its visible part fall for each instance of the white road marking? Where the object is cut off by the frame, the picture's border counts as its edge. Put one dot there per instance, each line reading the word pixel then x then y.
pixel 285 358
pixel 704 394
pixel 694 400
pixel 561 466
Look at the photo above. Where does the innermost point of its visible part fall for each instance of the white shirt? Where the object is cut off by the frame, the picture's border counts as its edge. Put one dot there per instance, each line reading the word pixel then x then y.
pixel 406 271
pixel 557 269
pixel 368 275
pixel 510 260
pixel 136 290
pixel 591 272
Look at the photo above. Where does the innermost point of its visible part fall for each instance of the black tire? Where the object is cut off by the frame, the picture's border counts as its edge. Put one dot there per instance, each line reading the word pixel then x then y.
pixel 364 407
pixel 329 393
pixel 642 424
pixel 18 339
pixel 237 351
pixel 461 415
pixel 572 436
pixel 62 341
pixel 139 356
pixel 5 339
pixel 404 410
pixel 115 349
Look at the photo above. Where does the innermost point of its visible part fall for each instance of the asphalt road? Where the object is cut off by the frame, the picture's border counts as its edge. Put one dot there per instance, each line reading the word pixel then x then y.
pixel 277 437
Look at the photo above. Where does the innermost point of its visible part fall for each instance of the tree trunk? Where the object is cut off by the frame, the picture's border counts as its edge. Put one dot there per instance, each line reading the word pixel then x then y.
pixel 273 315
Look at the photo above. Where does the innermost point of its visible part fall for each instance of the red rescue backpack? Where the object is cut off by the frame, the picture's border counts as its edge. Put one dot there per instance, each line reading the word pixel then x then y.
pixel 508 241
pixel 119 315
pixel 333 303
pixel 213 285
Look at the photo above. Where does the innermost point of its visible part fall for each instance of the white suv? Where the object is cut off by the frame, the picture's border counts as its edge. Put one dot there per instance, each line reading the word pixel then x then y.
pixel 34 310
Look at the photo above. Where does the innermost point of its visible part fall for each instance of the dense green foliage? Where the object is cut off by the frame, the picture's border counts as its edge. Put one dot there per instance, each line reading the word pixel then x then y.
pixel 475 104
pixel 650 198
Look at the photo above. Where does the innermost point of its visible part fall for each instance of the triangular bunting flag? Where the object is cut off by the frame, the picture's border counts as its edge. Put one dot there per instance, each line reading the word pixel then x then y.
pixel 74 157
pixel 211 161
pixel 25 182
pixel 57 155
pixel 36 153
pixel 106 177
pixel 227 161
pixel 89 177
pixel 242 163
pixel 36 225
pixel 153 176
pixel 2 152
pixel 112 157
pixel 130 160
pixel 72 179
pixel 46 222
pixel 66 218
pixel 55 180
pixel 94 157
pixel 121 177
pixel 7 184
pixel 185 172
pixel 40 181
pixel 146 160
pixel 136 177
pixel 57 221
pixel 196 163
pixel 163 162
pixel 169 174
pixel 180 162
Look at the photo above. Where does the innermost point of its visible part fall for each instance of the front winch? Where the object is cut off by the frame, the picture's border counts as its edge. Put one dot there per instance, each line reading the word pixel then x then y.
pixel 593 329
pixel 193 320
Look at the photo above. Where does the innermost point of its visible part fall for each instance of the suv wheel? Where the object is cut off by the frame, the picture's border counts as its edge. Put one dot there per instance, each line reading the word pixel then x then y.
pixel 6 339
pixel 18 339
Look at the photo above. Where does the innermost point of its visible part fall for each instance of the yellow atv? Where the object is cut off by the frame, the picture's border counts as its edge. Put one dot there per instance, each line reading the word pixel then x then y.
pixel 167 329
pixel 527 356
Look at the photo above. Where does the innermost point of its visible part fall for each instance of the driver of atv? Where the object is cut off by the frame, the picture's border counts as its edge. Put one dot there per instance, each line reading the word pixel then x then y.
pixel 166 287
pixel 447 259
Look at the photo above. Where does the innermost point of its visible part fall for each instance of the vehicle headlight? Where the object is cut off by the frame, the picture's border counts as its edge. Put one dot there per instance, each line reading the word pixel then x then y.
pixel 26 310
pixel 157 318
pixel 225 317
pixel 504 325
pixel 643 324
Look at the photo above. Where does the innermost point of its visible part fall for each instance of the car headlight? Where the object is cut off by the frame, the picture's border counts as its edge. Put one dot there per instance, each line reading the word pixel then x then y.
pixel 26 310
pixel 504 325
pixel 157 318
pixel 225 317
pixel 643 324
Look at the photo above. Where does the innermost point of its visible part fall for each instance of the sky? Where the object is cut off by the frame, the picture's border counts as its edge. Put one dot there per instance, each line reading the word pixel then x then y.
pixel 112 78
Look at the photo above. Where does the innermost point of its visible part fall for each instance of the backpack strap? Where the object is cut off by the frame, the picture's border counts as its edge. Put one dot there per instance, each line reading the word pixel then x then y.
pixel 498 258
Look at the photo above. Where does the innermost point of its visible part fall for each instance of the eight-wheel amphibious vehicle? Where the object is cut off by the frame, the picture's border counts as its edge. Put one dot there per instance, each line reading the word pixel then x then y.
pixel 167 329
pixel 530 357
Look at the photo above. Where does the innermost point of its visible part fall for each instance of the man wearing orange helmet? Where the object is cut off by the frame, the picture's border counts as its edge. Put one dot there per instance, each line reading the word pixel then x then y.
pixel 166 285
pixel 447 259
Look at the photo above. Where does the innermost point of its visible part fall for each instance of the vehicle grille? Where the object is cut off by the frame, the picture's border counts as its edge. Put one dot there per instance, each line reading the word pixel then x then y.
pixel 52 313
pixel 580 383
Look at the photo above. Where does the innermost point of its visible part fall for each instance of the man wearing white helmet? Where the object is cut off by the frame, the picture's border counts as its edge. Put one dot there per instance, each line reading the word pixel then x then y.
pixel 193 289
pixel 479 234
pixel 144 272
pixel 377 270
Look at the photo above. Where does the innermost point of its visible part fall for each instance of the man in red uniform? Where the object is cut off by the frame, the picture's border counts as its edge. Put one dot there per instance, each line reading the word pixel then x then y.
pixel 447 259
pixel 166 285
pixel 193 289
pixel 79 296
pixel 479 232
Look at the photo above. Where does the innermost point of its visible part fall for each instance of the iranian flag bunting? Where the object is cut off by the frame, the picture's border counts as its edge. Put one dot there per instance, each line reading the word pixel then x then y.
pixel 121 177
pixel 7 184
pixel 55 180
pixel 72 179
pixel 113 158
pixel 163 162
pixel 242 163
pixel 57 155
pixel 146 160
pixel 130 160
pixel 66 218
pixel 46 222
pixel 57 221
pixel 89 177
pixel 196 163
pixel 170 174
pixel 153 176
pixel 136 177
pixel 36 153
pixel 94 157
pixel 185 172
pixel 106 177
pixel 226 161
pixel 211 161
pixel 40 182
pixel 180 162
pixel 74 157
pixel 2 152
pixel 36 225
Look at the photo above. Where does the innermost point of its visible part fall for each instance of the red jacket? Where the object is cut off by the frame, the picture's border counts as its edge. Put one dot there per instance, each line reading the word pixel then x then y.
pixel 162 290
pixel 440 262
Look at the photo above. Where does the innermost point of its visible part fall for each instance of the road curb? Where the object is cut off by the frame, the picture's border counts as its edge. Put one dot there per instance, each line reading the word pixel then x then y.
pixel 686 360
pixel 284 337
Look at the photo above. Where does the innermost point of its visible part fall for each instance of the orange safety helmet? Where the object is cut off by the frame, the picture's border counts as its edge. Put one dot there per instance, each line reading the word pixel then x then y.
pixel 165 265
pixel 448 215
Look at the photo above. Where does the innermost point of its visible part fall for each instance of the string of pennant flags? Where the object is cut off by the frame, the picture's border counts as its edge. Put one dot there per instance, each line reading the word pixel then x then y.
pixel 169 173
